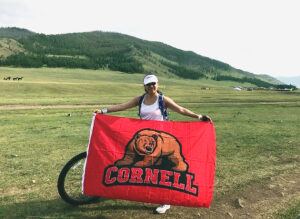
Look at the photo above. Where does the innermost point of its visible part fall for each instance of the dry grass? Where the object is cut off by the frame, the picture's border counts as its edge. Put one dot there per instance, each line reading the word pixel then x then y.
pixel 257 138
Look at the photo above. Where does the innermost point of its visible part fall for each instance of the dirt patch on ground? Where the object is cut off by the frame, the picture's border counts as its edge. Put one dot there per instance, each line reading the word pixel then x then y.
pixel 258 200
pixel 74 106
pixel 262 200
pixel 21 107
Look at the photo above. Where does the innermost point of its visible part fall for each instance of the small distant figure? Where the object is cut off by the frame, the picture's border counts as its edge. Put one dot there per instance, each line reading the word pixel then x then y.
pixel 205 88
pixel 7 78
pixel 17 78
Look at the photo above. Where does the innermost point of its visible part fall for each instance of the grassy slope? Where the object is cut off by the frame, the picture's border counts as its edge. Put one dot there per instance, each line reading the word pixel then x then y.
pixel 9 47
pixel 255 141
pixel 103 44
pixel 270 79
pixel 76 86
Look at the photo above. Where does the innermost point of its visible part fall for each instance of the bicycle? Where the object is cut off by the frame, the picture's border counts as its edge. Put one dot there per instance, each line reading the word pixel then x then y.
pixel 70 179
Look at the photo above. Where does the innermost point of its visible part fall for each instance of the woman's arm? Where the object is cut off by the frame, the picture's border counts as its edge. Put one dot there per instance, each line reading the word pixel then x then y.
pixel 183 111
pixel 119 107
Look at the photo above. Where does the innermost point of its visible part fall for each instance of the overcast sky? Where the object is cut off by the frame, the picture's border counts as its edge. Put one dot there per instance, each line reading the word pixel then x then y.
pixel 259 36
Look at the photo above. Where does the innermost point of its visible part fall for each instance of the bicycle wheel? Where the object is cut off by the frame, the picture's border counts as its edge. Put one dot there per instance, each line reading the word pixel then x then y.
pixel 70 181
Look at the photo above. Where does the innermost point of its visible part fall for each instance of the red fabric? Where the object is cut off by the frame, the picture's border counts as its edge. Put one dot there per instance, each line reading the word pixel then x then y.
pixel 161 162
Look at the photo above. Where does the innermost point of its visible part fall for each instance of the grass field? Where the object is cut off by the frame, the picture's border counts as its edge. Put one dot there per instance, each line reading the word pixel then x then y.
pixel 258 142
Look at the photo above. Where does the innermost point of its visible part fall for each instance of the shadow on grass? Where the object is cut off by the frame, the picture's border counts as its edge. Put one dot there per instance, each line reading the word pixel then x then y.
pixel 56 208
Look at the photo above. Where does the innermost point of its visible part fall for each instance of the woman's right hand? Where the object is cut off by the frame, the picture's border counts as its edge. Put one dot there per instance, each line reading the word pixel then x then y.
pixel 101 111
pixel 98 111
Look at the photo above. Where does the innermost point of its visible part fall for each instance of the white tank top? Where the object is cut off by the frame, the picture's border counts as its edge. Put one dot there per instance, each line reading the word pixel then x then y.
pixel 151 112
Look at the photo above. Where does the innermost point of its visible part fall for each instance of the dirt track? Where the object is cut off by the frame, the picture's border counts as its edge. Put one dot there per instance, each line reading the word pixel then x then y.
pixel 255 201
pixel 261 200
pixel 17 107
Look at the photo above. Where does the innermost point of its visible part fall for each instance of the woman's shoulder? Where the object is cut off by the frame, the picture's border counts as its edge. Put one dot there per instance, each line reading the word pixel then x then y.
pixel 167 99
pixel 135 100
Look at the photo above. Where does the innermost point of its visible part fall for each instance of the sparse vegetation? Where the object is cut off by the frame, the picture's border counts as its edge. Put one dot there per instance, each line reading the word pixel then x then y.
pixel 9 47
pixel 257 140
pixel 253 80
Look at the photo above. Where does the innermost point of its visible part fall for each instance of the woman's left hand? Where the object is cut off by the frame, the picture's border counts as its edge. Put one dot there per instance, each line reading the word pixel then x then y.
pixel 205 118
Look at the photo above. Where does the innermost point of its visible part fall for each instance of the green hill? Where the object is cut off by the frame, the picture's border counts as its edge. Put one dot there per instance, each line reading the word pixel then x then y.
pixel 118 52
pixel 15 32
pixel 269 79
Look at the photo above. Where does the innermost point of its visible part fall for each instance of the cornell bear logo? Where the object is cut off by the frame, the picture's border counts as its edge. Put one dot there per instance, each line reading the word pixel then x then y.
pixel 152 148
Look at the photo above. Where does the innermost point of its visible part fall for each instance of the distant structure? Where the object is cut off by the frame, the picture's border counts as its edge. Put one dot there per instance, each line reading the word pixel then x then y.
pixel 237 88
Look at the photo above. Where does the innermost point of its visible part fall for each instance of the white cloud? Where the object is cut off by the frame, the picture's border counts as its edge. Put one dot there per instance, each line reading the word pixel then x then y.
pixel 12 12
pixel 253 35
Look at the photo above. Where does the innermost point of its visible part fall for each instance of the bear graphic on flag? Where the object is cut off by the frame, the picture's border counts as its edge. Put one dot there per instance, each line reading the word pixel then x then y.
pixel 150 147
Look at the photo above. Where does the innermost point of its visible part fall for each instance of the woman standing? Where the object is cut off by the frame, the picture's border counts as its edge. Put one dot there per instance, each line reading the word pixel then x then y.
pixel 152 106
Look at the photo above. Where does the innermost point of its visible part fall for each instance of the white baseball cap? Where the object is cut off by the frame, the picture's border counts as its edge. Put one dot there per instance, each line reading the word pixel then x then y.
pixel 150 79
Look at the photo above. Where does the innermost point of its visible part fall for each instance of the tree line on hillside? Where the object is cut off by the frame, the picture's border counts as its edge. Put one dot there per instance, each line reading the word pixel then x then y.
pixel 119 52
pixel 84 50
pixel 73 44
pixel 15 33
pixel 187 58
pixel 183 71
pixel 103 48
pixel 255 81
pixel 113 62
pixel 124 63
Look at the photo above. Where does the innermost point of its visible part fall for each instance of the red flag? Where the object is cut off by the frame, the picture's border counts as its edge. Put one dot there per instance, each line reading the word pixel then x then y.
pixel 161 162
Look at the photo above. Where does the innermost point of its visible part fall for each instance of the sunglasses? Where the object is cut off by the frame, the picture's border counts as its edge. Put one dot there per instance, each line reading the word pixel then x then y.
pixel 151 84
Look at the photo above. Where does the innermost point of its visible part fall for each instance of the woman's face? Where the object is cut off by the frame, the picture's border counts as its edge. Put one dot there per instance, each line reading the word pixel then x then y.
pixel 151 88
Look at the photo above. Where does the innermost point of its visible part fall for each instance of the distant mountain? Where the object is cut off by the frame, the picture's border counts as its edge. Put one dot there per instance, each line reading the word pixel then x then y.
pixel 15 32
pixel 118 52
pixel 291 80
pixel 269 79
